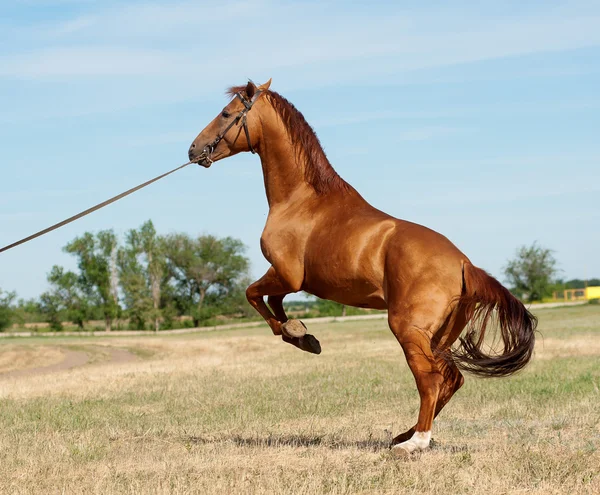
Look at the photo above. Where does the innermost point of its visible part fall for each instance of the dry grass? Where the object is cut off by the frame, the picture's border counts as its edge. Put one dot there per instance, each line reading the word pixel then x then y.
pixel 21 357
pixel 241 412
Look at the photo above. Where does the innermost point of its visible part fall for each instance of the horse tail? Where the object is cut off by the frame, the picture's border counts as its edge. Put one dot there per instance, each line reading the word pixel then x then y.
pixel 484 300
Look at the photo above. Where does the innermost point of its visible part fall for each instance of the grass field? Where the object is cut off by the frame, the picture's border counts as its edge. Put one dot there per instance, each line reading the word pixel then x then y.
pixel 241 412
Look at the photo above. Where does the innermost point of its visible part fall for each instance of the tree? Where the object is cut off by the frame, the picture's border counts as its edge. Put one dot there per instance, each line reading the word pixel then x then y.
pixel 142 268
pixel 50 306
pixel 6 310
pixel 136 294
pixel 27 311
pixel 531 272
pixel 97 278
pixel 329 308
pixel 208 272
pixel 65 297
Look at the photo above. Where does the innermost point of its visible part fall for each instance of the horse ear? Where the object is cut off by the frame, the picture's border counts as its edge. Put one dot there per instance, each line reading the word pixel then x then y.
pixel 265 86
pixel 250 89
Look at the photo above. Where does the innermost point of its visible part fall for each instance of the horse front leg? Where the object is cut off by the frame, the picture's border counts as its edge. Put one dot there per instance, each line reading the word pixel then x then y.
pixel 276 288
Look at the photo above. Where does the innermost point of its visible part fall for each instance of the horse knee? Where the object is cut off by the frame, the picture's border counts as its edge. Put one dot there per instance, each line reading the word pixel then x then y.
pixel 252 294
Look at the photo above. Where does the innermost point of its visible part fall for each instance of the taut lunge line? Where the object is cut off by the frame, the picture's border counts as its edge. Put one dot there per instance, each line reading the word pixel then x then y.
pixel 90 210
pixel 322 237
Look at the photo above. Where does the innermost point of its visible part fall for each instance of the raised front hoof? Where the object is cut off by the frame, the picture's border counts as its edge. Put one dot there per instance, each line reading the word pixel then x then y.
pixel 308 343
pixel 294 329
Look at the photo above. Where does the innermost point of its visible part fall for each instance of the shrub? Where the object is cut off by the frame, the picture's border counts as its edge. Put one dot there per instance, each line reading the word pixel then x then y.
pixel 6 310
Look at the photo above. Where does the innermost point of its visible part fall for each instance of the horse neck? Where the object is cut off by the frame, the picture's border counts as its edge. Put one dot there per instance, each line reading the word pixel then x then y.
pixel 283 167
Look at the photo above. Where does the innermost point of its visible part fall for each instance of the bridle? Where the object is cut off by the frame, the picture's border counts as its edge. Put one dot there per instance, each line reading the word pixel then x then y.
pixel 241 117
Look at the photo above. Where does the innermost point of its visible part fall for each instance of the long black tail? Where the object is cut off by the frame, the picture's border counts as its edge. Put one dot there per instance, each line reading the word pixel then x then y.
pixel 484 300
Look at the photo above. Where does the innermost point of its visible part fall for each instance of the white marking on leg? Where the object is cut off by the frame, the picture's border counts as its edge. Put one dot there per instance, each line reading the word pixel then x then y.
pixel 419 441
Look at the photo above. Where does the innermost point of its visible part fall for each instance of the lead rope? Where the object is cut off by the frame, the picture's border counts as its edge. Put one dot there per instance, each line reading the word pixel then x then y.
pixel 91 210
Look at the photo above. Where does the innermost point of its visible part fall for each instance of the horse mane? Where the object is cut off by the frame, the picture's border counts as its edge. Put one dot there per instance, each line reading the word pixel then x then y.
pixel 318 172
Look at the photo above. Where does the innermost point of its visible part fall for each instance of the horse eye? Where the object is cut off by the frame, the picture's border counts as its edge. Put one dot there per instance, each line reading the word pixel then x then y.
pixel 225 114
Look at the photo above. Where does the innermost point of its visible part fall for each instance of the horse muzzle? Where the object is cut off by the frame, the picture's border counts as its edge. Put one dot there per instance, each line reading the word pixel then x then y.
pixel 203 159
pixel 205 162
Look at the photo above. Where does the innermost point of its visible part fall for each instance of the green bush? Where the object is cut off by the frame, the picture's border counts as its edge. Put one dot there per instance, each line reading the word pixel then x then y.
pixel 594 301
pixel 6 310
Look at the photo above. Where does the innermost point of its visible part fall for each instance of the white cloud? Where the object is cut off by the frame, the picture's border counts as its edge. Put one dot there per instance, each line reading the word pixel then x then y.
pixel 202 39
pixel 89 61
pixel 429 132
pixel 122 57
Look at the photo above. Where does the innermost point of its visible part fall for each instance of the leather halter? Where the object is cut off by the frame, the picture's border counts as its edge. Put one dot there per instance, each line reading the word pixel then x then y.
pixel 241 117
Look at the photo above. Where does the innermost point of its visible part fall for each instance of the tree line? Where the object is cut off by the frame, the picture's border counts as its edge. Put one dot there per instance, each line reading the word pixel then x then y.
pixel 149 280
pixel 152 280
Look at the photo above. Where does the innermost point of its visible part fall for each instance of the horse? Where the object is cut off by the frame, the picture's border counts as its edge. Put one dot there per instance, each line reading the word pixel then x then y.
pixel 323 238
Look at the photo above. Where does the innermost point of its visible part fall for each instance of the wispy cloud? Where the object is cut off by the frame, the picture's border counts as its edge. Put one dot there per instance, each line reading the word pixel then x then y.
pixel 446 112
pixel 89 61
pixel 125 56
pixel 430 132
pixel 112 42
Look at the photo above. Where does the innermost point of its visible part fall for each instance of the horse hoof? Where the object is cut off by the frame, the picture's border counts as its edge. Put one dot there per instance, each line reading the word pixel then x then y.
pixel 420 440
pixel 309 344
pixel 294 329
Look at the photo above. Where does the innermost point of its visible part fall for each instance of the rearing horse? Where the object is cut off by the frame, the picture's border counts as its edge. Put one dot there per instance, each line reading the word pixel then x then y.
pixel 322 237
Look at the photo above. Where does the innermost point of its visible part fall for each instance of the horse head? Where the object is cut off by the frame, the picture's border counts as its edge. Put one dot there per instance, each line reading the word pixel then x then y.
pixel 236 129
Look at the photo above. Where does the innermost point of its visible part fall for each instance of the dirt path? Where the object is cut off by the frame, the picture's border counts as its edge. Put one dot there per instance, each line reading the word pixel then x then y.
pixel 72 359
pixel 120 355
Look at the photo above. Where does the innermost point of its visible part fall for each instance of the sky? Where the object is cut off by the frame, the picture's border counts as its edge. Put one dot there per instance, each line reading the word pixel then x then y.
pixel 480 121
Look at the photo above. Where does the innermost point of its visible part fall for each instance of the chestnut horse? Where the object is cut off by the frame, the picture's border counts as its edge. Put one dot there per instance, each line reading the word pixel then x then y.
pixel 322 237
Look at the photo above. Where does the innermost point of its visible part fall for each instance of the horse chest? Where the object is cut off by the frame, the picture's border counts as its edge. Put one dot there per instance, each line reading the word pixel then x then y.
pixel 281 240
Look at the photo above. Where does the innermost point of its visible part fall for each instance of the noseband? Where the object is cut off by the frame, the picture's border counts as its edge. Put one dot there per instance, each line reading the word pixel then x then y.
pixel 241 117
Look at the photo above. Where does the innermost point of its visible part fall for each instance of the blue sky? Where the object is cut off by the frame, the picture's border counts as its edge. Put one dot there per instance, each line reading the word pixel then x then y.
pixel 479 122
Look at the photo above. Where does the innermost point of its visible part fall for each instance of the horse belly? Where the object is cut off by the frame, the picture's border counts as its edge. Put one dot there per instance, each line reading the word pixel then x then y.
pixel 351 292
pixel 347 277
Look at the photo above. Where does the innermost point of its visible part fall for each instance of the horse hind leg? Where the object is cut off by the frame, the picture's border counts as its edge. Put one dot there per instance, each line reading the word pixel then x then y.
pixel 444 338
pixel 423 324
pixel 452 378
pixel 416 346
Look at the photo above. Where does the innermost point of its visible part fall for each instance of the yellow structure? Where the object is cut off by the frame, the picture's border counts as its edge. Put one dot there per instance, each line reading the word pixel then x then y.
pixel 579 294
